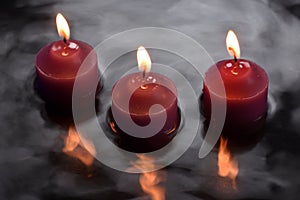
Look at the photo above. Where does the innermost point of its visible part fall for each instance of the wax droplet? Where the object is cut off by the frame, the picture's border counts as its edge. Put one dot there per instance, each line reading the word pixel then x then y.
pixel 73 45
pixel 234 71
pixel 229 65
pixel 64 53
pixel 144 87
pixel 246 64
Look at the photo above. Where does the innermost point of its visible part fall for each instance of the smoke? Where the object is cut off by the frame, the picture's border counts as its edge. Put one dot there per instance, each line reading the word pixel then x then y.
pixel 32 165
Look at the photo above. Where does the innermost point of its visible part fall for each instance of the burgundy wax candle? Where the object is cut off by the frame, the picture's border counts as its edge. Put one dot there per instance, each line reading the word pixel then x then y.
pixel 132 99
pixel 146 93
pixel 246 88
pixel 57 65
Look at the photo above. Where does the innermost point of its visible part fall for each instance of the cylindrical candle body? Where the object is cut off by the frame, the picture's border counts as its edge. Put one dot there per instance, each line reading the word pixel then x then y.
pixel 57 65
pixel 246 88
pixel 154 89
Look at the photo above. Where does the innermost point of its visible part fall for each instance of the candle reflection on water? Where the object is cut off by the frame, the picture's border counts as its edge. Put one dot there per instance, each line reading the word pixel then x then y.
pixel 151 182
pixel 74 147
pixel 227 165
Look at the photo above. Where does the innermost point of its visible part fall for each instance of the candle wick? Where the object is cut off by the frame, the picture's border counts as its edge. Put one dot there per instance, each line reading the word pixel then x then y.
pixel 234 54
pixel 235 58
pixel 65 40
pixel 143 81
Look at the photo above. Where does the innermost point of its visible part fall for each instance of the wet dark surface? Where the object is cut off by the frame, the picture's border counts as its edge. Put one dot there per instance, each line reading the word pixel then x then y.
pixel 32 163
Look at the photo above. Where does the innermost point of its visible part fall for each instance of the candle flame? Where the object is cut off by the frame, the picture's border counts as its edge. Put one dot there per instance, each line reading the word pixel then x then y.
pixel 228 167
pixel 143 59
pixel 62 26
pixel 232 43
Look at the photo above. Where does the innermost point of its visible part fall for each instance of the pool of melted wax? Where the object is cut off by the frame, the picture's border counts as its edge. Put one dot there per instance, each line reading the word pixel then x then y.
pixel 33 165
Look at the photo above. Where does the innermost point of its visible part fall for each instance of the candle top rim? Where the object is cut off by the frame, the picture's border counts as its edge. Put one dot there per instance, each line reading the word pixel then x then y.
pixel 246 87
pixel 56 67
pixel 174 101
pixel 126 80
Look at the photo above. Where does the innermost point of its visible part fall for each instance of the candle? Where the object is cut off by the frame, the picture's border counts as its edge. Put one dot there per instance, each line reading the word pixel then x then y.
pixel 144 107
pixel 246 88
pixel 57 65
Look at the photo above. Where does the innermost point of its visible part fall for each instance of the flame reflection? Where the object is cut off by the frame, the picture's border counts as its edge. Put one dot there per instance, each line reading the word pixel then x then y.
pixel 150 181
pixel 228 167
pixel 75 148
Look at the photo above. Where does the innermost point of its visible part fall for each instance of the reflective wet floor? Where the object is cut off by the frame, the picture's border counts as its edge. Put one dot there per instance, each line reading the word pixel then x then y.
pixel 37 160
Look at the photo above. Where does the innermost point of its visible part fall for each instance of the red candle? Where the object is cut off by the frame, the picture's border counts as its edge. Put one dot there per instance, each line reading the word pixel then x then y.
pixel 57 65
pixel 246 88
pixel 144 105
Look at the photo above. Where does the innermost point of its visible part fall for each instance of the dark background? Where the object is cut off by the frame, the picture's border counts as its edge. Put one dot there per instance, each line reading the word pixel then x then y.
pixel 32 164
